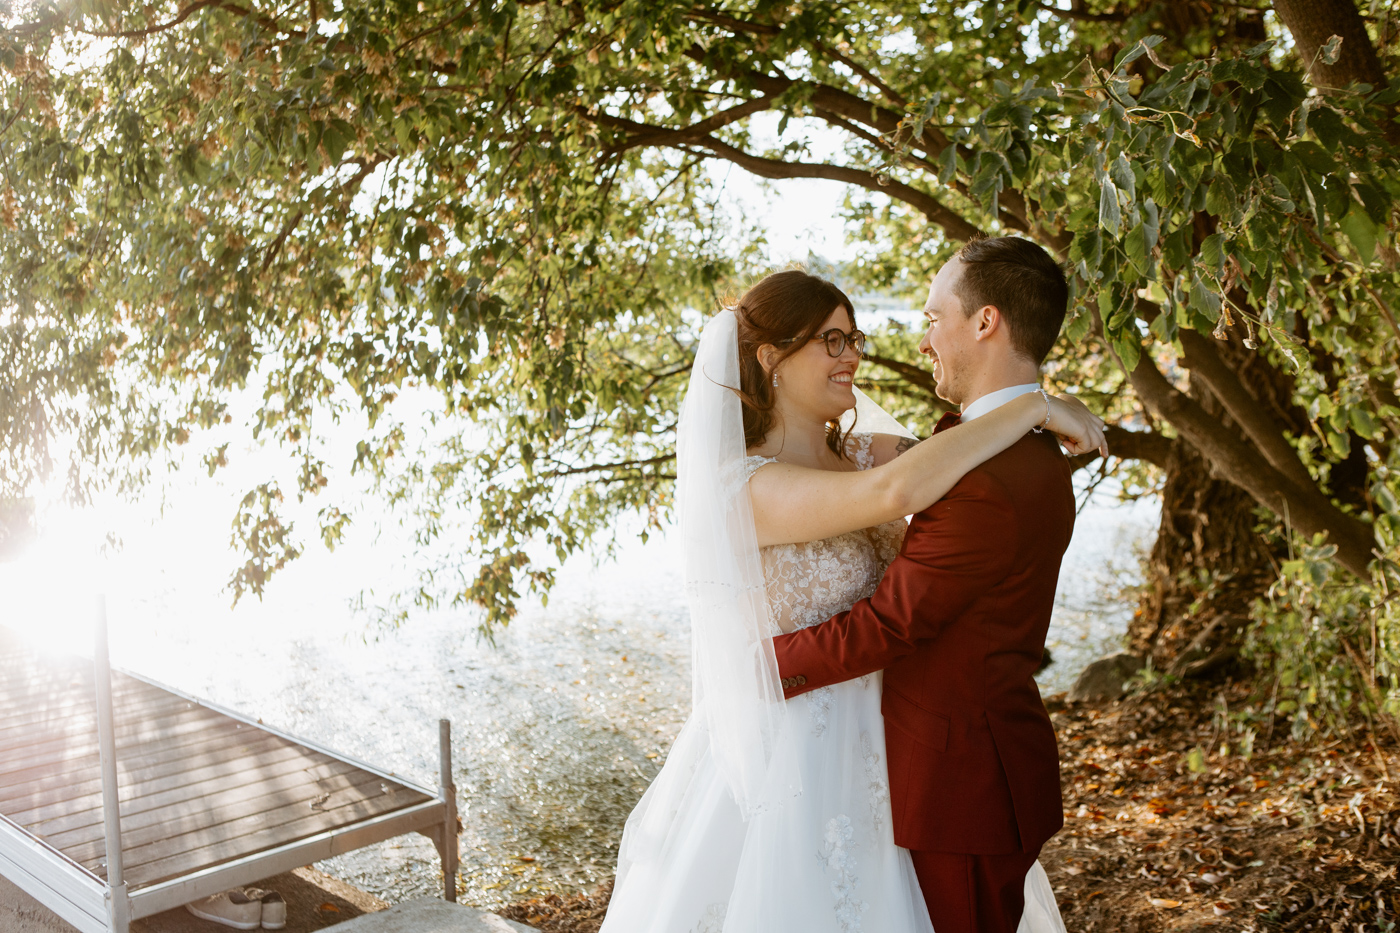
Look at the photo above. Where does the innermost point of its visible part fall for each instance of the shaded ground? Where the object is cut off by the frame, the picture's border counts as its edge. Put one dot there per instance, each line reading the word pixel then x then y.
pixel 1184 814
pixel 314 902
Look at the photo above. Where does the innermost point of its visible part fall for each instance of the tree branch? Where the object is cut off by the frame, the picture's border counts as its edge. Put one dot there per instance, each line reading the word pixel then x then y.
pixel 1306 509
pixel 1203 360
pixel 953 224
pixel 620 465
pixel 895 97
pixel 910 373
pixel 1130 445
pixel 638 134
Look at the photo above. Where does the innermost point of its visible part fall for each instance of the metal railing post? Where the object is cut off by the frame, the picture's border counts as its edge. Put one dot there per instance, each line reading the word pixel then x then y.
pixel 118 905
pixel 450 854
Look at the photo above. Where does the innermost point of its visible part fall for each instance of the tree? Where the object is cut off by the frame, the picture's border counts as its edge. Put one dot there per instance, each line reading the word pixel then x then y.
pixel 514 205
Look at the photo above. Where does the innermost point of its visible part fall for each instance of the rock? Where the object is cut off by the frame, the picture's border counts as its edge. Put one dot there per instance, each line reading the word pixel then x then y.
pixel 429 915
pixel 1104 679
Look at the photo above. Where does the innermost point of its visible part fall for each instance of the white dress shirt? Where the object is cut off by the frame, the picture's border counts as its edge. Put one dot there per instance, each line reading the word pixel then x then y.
pixel 994 400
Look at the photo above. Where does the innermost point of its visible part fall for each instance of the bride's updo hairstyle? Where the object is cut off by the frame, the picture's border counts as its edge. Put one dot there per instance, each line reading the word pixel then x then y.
pixel 784 306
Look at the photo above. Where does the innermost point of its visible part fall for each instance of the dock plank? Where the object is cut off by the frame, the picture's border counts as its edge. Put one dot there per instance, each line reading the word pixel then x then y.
pixel 229 841
pixel 251 803
pixel 214 739
pixel 201 797
pixel 70 800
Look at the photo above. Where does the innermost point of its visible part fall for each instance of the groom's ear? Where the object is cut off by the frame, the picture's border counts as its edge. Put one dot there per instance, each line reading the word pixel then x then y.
pixel 988 321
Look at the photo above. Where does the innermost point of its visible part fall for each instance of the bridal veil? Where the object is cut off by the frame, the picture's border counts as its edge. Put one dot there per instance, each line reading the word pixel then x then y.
pixel 736 685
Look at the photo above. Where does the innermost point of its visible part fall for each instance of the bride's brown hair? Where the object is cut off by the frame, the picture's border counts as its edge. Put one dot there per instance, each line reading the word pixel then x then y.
pixel 785 309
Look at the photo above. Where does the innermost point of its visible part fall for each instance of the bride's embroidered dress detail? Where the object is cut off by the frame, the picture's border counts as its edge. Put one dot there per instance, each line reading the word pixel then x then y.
pixel 701 853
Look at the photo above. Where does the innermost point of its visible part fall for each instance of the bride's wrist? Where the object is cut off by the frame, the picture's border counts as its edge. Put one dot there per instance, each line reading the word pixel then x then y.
pixel 1045 396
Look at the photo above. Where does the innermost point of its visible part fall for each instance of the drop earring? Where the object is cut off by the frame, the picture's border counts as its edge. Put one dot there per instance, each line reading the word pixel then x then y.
pixel 775 380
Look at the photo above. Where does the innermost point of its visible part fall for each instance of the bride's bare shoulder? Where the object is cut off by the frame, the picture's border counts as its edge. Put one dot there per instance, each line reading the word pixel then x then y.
pixel 885 447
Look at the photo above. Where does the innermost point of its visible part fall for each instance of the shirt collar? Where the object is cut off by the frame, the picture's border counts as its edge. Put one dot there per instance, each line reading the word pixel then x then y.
pixel 994 400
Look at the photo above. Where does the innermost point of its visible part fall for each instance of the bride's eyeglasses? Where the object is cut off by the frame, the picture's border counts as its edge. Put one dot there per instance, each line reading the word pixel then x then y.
pixel 837 340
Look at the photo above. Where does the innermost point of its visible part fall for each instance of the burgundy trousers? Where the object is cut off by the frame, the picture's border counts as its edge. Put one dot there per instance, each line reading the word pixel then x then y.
pixel 974 893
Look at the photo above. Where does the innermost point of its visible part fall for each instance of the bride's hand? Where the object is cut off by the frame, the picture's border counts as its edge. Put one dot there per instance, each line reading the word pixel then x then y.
pixel 1078 429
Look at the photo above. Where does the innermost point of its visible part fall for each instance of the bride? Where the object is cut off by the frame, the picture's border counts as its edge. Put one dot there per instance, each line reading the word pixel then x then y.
pixel 772 816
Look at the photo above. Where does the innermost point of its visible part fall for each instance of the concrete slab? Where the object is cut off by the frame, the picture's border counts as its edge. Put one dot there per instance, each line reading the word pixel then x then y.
pixel 429 915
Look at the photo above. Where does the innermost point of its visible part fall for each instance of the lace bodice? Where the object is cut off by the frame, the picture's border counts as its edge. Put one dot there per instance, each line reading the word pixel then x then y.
pixel 810 582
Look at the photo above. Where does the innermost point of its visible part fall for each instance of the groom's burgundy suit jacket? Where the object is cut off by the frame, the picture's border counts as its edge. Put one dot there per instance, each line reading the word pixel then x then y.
pixel 958 625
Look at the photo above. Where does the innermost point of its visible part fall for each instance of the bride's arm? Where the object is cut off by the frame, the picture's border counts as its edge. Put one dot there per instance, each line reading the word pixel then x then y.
pixel 792 503
pixel 1068 418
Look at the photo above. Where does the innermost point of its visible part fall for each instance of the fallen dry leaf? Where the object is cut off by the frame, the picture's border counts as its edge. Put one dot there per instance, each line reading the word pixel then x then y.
pixel 328 907
pixel 1163 903
pixel 1221 908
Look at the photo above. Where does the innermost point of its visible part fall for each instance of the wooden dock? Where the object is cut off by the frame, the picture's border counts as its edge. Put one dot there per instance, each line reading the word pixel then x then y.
pixel 208 799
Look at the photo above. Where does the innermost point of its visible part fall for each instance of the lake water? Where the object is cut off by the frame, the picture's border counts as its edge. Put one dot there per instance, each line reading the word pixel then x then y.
pixel 557 730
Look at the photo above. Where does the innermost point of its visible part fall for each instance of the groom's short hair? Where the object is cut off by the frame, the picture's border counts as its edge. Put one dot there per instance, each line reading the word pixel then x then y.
pixel 1023 282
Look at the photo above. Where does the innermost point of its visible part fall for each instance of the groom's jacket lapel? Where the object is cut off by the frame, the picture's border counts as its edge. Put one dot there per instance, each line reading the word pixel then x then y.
pixel 958 625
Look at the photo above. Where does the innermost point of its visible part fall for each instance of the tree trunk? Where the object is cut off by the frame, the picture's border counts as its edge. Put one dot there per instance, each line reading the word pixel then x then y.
pixel 1207 565
pixel 1312 23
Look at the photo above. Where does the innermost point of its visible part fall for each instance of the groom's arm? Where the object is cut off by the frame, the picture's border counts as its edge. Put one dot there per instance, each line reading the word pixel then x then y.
pixel 955 551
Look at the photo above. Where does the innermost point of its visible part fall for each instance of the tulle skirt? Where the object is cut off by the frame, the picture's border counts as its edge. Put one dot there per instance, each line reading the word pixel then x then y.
pixel 823 861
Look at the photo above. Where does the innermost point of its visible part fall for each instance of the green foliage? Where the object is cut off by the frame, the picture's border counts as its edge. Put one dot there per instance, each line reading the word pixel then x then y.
pixel 1329 647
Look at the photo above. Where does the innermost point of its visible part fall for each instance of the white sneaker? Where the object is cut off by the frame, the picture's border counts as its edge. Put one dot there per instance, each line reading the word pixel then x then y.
pixel 232 909
pixel 274 908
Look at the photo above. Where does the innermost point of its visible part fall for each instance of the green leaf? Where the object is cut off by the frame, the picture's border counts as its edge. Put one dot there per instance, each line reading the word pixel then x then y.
pixel 1137 51
pixel 1129 350
pixel 1079 326
pixel 1110 214
pixel 1362 422
pixel 1164 326
pixel 1360 229
pixel 1213 253
pixel 1121 171
pixel 1221 196
pixel 334 143
pixel 948 164
pixel 1332 51
pixel 1204 299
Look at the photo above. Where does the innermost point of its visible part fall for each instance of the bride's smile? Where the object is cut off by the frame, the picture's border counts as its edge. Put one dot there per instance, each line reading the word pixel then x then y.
pixel 815 384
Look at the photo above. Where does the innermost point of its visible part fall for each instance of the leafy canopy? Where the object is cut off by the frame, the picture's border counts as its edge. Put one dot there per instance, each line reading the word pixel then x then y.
pixel 516 206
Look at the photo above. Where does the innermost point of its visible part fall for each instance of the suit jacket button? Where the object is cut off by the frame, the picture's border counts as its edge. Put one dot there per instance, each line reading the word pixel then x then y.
pixel 787 682
pixel 801 680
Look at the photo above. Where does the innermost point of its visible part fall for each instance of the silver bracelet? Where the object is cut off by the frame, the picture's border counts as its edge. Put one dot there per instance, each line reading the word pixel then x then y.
pixel 1046 423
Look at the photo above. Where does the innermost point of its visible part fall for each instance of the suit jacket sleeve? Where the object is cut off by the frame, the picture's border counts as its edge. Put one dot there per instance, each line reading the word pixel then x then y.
pixel 954 552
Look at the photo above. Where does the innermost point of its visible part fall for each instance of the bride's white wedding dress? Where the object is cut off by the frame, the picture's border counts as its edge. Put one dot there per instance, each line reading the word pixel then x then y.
pixel 823 861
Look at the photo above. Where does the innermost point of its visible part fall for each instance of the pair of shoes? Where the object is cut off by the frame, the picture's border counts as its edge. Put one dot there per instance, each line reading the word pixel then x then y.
pixel 274 909
pixel 243 909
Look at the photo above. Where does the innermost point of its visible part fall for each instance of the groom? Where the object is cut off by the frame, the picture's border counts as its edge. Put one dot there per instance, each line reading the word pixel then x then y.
pixel 958 623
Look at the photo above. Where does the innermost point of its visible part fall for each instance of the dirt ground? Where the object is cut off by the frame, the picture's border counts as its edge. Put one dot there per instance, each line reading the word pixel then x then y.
pixel 314 901
pixel 1175 819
